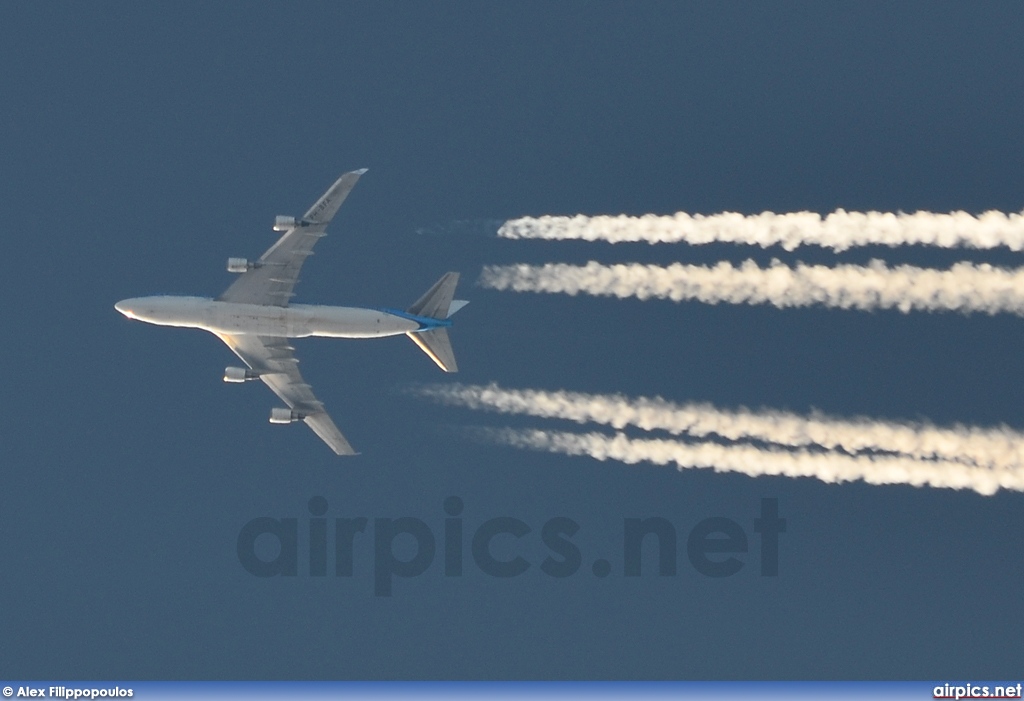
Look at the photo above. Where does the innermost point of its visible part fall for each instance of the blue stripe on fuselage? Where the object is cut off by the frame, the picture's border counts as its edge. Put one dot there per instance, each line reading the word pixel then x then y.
pixel 426 322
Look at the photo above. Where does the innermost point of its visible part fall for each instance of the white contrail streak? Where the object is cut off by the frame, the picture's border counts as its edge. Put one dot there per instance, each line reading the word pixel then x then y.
pixel 755 461
pixel 999 449
pixel 965 287
pixel 839 230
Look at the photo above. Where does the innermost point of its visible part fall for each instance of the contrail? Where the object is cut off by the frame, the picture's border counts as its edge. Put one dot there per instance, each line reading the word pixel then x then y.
pixel 756 461
pixel 965 287
pixel 839 230
pixel 999 449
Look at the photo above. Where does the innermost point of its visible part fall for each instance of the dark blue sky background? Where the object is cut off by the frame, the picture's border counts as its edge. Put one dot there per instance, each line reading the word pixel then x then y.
pixel 142 144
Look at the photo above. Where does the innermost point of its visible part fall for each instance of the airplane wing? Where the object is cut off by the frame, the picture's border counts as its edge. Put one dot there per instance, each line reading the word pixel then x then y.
pixel 272 357
pixel 273 276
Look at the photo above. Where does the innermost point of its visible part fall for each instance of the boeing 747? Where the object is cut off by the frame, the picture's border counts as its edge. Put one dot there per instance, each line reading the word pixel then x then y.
pixel 255 319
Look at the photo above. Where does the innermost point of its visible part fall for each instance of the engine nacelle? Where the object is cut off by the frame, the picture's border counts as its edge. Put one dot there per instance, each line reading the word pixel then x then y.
pixel 239 265
pixel 283 223
pixel 232 374
pixel 279 415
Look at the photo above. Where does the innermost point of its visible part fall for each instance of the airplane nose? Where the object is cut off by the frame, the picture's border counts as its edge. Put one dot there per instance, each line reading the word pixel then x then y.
pixel 122 307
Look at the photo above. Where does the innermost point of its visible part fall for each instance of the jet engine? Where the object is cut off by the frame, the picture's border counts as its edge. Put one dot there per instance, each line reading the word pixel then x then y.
pixel 232 374
pixel 283 223
pixel 284 416
pixel 239 265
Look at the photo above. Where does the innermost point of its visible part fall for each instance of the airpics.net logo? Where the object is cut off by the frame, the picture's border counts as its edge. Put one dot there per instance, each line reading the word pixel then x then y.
pixel 407 547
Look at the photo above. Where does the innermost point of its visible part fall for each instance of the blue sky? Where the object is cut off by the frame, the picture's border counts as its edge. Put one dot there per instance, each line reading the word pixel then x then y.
pixel 143 144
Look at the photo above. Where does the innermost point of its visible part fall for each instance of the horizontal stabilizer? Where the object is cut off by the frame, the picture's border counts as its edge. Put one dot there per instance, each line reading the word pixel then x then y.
pixel 435 343
pixel 436 301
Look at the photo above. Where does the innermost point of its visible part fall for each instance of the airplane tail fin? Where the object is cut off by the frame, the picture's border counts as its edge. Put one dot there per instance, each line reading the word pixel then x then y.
pixel 438 303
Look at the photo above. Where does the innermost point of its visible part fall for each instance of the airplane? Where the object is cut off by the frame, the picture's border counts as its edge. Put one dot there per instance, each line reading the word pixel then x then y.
pixel 255 319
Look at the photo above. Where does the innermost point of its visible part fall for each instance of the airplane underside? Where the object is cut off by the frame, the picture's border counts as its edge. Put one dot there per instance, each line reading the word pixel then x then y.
pixel 254 317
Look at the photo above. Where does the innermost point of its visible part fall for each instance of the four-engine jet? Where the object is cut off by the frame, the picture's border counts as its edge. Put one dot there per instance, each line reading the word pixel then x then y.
pixel 254 318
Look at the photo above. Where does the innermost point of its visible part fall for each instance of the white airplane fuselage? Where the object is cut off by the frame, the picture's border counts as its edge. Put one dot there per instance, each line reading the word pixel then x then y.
pixel 294 321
